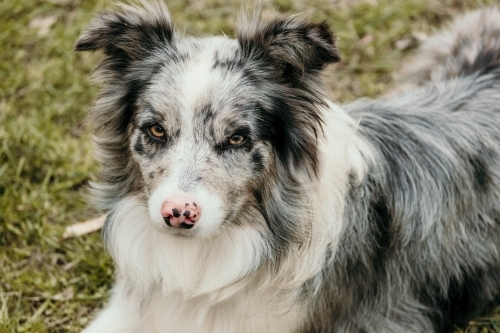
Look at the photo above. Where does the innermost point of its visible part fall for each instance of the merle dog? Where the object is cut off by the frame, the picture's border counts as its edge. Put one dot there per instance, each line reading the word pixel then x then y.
pixel 241 199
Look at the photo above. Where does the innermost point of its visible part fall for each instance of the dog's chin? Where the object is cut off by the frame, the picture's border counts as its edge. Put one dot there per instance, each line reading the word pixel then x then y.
pixel 163 228
pixel 176 232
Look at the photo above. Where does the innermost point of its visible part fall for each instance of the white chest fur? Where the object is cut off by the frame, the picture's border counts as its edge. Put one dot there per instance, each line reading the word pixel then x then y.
pixel 157 313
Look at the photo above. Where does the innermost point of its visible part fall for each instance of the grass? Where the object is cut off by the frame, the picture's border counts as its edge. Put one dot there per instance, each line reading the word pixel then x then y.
pixel 48 284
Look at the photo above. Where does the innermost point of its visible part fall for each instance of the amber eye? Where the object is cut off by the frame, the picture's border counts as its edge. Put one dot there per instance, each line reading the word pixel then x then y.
pixel 157 131
pixel 236 139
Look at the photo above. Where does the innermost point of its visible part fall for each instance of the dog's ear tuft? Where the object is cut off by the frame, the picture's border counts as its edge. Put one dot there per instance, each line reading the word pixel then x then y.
pixel 133 31
pixel 291 43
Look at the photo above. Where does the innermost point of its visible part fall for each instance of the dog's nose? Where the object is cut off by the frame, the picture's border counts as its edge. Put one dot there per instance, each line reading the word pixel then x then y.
pixel 180 212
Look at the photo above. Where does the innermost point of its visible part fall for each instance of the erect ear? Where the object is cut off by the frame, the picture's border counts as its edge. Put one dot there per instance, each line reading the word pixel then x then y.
pixel 131 32
pixel 294 45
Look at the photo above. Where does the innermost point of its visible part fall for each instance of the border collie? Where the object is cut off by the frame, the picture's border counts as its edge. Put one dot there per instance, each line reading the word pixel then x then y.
pixel 241 199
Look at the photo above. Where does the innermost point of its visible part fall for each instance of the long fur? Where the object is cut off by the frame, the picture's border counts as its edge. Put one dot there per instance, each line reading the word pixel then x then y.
pixel 380 216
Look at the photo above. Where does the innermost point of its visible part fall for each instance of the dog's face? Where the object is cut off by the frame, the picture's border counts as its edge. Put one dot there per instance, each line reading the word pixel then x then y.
pixel 197 138
pixel 203 126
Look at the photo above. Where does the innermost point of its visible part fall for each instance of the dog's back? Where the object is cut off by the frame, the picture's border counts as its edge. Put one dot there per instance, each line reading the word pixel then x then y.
pixel 469 46
pixel 434 190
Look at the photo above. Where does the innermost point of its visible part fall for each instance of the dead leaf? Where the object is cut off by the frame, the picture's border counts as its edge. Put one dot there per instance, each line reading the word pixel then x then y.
pixel 405 43
pixel 419 36
pixel 43 24
pixel 367 39
pixel 83 228
pixel 412 41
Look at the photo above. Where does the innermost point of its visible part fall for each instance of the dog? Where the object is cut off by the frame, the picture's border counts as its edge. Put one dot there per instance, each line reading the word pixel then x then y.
pixel 241 199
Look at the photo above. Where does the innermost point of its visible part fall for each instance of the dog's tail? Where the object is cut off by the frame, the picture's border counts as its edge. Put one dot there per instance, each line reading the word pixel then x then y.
pixel 470 45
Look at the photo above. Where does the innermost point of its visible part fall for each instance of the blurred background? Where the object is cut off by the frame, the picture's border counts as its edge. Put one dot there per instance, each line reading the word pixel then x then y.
pixel 52 284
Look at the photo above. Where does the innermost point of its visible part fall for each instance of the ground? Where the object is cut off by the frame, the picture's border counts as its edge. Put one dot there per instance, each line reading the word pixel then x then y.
pixel 51 284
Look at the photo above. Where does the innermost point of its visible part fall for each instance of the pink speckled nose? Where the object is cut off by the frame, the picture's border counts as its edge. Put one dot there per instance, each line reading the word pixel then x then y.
pixel 180 212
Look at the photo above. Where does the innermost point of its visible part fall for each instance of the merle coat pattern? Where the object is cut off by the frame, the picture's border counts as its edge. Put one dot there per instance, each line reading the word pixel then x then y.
pixel 378 216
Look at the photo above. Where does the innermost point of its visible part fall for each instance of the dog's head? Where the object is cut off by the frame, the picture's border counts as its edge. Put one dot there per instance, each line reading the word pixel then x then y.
pixel 212 132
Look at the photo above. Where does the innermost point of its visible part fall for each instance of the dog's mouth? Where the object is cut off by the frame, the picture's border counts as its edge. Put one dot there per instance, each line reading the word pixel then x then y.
pixel 189 229
pixel 187 223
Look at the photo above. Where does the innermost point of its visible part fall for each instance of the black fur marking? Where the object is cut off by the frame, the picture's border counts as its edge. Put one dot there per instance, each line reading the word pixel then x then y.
pixel 179 57
pixel 279 126
pixel 464 300
pixel 176 212
pixel 117 34
pixel 153 118
pixel 260 204
pixel 139 147
pixel 480 172
pixel 134 88
pixel 300 46
pixel 257 161
pixel 231 65
pixel 151 175
pixel 207 114
pixel 383 222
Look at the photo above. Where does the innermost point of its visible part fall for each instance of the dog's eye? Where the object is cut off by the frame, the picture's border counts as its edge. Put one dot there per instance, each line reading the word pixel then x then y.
pixel 156 131
pixel 236 139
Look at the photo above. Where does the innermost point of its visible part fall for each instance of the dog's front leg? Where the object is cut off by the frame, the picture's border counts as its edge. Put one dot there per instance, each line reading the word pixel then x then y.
pixel 120 316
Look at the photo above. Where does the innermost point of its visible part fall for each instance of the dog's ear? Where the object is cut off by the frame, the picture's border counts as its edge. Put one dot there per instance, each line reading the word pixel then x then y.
pixel 294 45
pixel 132 32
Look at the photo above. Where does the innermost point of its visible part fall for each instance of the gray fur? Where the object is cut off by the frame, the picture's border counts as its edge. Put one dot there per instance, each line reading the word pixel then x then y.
pixel 468 45
pixel 421 252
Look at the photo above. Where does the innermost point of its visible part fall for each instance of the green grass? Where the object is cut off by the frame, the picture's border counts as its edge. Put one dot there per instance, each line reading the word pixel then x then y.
pixel 48 284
